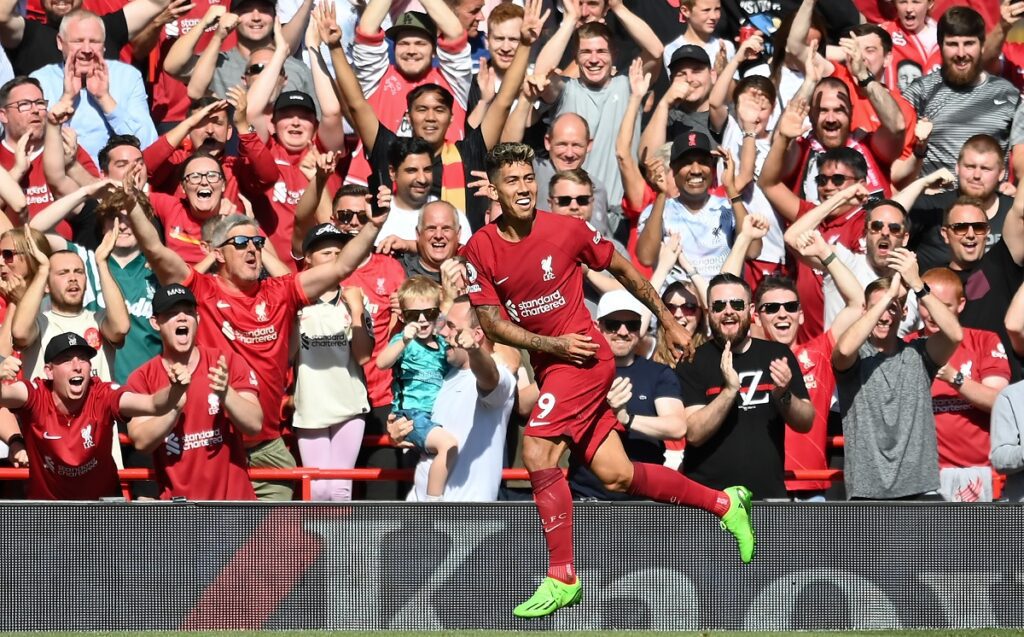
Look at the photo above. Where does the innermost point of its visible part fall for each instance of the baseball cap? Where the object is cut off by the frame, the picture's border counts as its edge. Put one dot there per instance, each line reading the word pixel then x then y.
pixel 295 98
pixel 235 4
pixel 321 233
pixel 167 297
pixel 66 342
pixel 689 52
pixel 415 20
pixel 617 301
pixel 690 140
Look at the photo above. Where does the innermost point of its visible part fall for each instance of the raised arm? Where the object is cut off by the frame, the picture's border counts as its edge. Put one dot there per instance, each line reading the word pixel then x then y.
pixel 362 116
pixel 943 343
pixel 261 89
pixel 296 28
pixel 889 113
pixel 373 16
pixel 48 218
pixel 551 53
pixel 116 321
pixel 146 39
pixel 653 136
pixel 848 344
pixel 721 90
pixel 167 264
pixel 203 68
pixel 748 242
pixel 908 196
pixel 811 245
pixel 24 328
pixel 1013 227
pixel 12 24
pixel 327 276
pixel 651 48
pixel 181 56
pixel 445 19
pixel 779 163
pixel 633 182
pixel 139 13
pixel 305 210
pixel 497 112
pixel 54 166
pixel 331 130
pixel 852 195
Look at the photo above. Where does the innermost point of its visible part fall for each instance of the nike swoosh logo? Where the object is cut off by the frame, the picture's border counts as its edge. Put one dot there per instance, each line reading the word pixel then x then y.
pixel 537 423
pixel 49 436
pixel 500 281
pixel 552 528
pixel 999 102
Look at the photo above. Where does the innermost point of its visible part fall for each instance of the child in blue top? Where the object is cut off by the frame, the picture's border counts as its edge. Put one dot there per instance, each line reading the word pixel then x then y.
pixel 419 358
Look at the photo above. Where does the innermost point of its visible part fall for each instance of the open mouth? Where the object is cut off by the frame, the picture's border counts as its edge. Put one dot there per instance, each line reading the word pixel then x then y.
pixel 204 194
pixel 439 245
pixel 77 381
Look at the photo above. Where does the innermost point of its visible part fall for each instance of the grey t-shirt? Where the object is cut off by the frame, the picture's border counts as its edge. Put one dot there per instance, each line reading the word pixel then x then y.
pixel 604 110
pixel 889 429
pixel 231 67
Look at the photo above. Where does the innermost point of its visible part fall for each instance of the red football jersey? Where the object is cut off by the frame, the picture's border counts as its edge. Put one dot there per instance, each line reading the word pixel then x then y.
pixel 202 458
pixel 378 279
pixel 35 186
pixel 962 430
pixel 258 327
pixel 70 455
pixel 182 231
pixel 808 450
pixel 538 281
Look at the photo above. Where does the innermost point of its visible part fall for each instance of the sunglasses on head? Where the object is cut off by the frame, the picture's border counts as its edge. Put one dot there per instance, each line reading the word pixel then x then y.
pixel 837 179
pixel 8 255
pixel 737 304
pixel 686 307
pixel 346 216
pixel 961 228
pixel 894 228
pixel 240 242
pixel 612 325
pixel 256 69
pixel 565 200
pixel 773 308
pixel 429 313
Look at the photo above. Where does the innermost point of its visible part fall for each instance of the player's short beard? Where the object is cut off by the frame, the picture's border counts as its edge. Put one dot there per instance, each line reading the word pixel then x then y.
pixel 741 334
pixel 966 79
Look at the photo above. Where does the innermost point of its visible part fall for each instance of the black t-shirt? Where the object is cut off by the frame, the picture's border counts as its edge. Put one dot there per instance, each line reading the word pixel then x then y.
pixel 39 43
pixel 840 15
pixel 989 288
pixel 748 447
pixel 926 219
pixel 413 267
pixel 650 381
pixel 474 156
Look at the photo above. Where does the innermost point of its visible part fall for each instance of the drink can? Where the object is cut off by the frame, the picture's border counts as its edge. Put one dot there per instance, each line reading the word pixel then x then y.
pixel 746 32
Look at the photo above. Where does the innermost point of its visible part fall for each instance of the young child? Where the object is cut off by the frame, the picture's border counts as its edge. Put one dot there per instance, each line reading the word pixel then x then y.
pixel 702 18
pixel 421 358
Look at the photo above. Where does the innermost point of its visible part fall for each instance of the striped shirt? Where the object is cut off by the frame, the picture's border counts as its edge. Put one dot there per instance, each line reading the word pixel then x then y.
pixel 957 114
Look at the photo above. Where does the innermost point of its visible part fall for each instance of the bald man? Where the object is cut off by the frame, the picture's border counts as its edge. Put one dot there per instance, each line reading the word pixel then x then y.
pixel 568 143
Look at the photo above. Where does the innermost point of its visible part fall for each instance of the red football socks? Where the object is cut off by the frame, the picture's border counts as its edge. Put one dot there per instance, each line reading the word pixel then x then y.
pixel 662 484
pixel 554 504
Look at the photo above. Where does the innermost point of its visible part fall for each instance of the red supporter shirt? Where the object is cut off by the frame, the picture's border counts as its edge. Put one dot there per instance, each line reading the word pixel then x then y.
pixel 378 279
pixel 164 162
pixel 808 451
pixel 274 188
pixel 962 430
pixel 846 229
pixel 203 457
pixel 878 173
pixel 258 327
pixel 538 281
pixel 35 186
pixel 907 46
pixel 183 232
pixel 69 455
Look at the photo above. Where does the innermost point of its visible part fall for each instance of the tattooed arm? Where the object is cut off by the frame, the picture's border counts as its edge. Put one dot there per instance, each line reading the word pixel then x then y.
pixel 575 348
pixel 673 340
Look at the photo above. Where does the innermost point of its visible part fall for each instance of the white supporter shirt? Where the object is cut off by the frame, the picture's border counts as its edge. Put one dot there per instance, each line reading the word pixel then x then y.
pixel 773 246
pixel 401 223
pixel 858 264
pixel 705 236
pixel 479 424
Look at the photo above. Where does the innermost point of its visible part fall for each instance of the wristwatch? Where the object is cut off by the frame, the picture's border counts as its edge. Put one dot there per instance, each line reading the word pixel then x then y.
pixel 923 292
pixel 958 380
pixel 750 134
pixel 867 80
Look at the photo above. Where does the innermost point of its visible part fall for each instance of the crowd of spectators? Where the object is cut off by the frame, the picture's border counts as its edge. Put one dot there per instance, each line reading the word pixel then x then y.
pixel 232 230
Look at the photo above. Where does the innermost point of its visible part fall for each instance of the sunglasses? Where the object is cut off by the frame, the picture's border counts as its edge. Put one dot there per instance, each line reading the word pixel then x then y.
pixel 773 308
pixel 8 255
pixel 612 325
pixel 961 228
pixel 240 242
pixel 565 200
pixel 894 228
pixel 689 308
pixel 737 304
pixel 837 179
pixel 429 313
pixel 256 69
pixel 346 216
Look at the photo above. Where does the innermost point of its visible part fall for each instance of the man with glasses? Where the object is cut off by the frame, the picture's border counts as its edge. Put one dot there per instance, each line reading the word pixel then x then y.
pixel 254 317
pixel 23 115
pixel 645 395
pixel 884 389
pixel 740 393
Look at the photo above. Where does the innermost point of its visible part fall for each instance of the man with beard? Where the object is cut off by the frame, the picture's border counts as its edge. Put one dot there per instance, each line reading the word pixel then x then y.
pixel 67 417
pixel 885 389
pixel 526 281
pixel 979 172
pixel 755 389
pixel 197 448
pixel 108 97
pixel 32 44
pixel 23 115
pixel 779 313
pixel 963 100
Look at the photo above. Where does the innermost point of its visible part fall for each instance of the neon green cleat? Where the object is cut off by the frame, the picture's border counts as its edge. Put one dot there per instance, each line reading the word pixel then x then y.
pixel 549 597
pixel 737 521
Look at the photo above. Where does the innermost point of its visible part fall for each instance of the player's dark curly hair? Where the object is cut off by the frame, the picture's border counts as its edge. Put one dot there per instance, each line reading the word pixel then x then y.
pixel 507 154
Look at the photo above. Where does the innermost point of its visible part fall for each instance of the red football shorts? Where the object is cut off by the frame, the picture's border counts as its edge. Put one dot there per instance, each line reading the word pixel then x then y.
pixel 572 404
